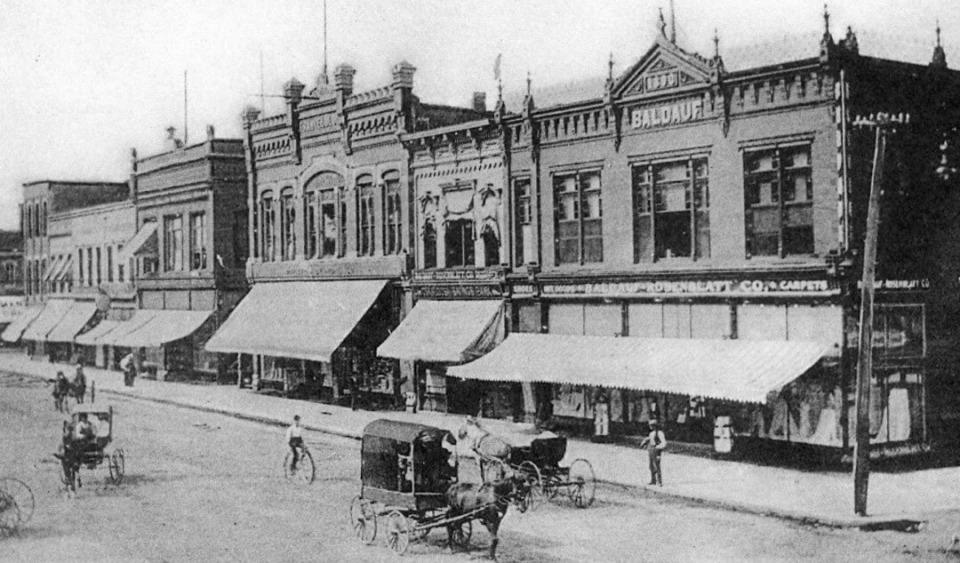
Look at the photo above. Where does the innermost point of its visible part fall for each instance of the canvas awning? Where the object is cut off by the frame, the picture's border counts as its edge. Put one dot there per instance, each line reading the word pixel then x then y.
pixel 91 337
pixel 73 322
pixel 163 327
pixel 446 331
pixel 15 329
pixel 305 320
pixel 140 318
pixel 53 312
pixel 144 242
pixel 53 268
pixel 734 370
pixel 63 271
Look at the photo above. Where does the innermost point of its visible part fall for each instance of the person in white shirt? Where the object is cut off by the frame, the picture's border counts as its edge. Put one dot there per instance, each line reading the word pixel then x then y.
pixel 295 440
pixel 655 443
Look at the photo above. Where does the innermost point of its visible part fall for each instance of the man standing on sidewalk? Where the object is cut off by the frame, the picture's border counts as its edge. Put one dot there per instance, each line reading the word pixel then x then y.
pixel 655 442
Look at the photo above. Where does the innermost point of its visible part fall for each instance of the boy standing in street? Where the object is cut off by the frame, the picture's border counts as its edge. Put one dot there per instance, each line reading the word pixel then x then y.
pixel 655 442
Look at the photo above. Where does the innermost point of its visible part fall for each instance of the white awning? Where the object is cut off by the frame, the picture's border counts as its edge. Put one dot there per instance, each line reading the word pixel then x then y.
pixel 446 331
pixel 92 336
pixel 163 327
pixel 73 322
pixel 15 329
pixel 53 312
pixel 734 370
pixel 139 318
pixel 144 242
pixel 305 320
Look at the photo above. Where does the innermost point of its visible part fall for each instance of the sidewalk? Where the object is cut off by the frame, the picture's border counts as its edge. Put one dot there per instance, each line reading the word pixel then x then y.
pixel 897 500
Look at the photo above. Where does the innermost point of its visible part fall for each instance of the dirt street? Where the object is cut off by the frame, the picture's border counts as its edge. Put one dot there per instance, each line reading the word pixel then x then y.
pixel 207 487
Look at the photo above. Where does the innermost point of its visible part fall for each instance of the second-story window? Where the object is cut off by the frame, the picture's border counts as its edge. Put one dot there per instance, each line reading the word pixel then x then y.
pixel 578 218
pixel 524 220
pixel 241 245
pixel 120 268
pixel 43 219
pixel 267 219
pixel 366 215
pixel 458 240
pixel 778 187
pixel 392 228
pixel 310 224
pixel 342 223
pixel 109 263
pixel 671 210
pixel 288 231
pixel 198 242
pixel 328 223
pixel 173 243
pixel 80 277
pixel 429 246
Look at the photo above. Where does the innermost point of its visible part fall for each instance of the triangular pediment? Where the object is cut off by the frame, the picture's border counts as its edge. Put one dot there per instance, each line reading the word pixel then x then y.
pixel 663 69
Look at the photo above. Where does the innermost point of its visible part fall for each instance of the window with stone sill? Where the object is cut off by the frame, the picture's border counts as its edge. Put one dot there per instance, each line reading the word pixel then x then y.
pixel 778 191
pixel 578 218
pixel 671 209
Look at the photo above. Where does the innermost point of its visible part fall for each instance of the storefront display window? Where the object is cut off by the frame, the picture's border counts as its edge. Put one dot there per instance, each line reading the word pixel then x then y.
pixel 898 331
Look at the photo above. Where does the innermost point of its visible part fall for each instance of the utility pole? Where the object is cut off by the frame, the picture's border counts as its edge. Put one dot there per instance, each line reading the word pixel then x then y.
pixel 884 124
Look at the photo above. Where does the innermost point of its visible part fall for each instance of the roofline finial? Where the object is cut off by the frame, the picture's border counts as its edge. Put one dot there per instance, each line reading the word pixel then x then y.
pixel 826 20
pixel 528 82
pixel 938 32
pixel 716 43
pixel 610 67
pixel 673 24
pixel 662 24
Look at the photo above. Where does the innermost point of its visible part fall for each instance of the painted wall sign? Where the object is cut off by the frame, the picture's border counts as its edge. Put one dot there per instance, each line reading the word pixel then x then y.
pixel 457 275
pixel 902 285
pixel 668 114
pixel 719 287
pixel 458 291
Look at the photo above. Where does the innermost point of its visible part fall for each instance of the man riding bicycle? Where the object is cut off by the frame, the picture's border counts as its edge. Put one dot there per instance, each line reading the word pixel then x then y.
pixel 295 441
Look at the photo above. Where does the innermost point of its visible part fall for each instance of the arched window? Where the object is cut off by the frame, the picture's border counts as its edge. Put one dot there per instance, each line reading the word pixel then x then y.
pixel 392 217
pixel 267 223
pixel 320 214
pixel 43 220
pixel 288 234
pixel 429 246
pixel 366 215
pixel 491 247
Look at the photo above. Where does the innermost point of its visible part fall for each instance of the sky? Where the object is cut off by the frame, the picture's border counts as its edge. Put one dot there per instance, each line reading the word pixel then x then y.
pixel 84 81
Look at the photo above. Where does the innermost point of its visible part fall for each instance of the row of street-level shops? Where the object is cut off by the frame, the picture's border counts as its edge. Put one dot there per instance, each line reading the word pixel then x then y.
pixel 94 333
pixel 773 352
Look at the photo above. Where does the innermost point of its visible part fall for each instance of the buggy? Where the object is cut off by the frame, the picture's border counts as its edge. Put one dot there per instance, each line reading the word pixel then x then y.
pixel 406 472
pixel 540 463
pixel 74 453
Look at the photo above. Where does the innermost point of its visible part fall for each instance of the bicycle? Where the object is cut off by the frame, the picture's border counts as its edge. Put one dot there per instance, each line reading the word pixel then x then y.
pixel 305 471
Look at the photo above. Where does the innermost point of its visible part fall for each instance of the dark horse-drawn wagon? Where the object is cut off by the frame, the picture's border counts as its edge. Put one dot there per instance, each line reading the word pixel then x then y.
pixel 409 475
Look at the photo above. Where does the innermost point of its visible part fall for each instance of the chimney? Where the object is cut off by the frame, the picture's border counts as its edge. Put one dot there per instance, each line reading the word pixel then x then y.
pixel 343 78
pixel 403 75
pixel 293 91
pixel 480 101
pixel 249 115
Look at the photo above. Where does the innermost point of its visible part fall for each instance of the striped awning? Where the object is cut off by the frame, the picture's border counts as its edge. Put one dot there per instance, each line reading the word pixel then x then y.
pixel 92 336
pixel 735 370
pixel 73 322
pixel 53 312
pixel 165 326
pixel 15 329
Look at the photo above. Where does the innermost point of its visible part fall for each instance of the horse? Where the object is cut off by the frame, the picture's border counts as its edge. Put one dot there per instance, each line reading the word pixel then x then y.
pixel 489 448
pixel 489 500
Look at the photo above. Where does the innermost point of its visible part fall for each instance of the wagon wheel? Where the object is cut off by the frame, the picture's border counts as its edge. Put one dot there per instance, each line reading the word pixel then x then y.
pixel 534 496
pixel 491 470
pixel 117 466
pixel 460 533
pixel 20 494
pixel 581 483
pixel 363 518
pixel 9 514
pixel 398 532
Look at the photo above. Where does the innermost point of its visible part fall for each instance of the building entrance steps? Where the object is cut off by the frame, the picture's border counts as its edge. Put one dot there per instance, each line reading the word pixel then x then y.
pixel 897 500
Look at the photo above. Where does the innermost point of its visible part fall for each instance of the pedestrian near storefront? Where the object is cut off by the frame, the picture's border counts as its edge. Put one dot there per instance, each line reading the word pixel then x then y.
pixel 655 442
pixel 294 439
pixel 79 383
pixel 601 415
pixel 129 367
